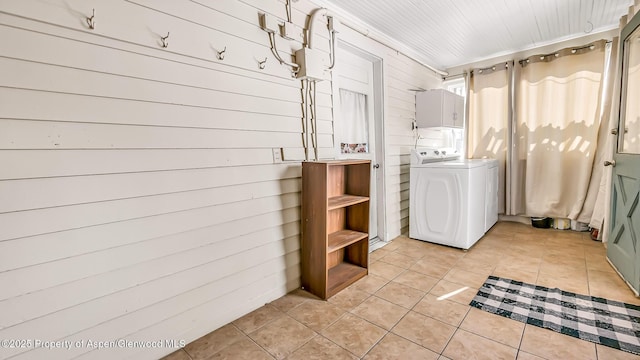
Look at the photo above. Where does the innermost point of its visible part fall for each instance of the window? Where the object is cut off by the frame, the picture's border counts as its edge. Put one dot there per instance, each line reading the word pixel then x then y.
pixel 456 86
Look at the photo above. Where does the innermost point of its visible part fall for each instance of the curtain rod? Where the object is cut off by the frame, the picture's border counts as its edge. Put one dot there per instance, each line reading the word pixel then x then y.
pixel 486 70
pixel 497 67
pixel 455 76
pixel 576 50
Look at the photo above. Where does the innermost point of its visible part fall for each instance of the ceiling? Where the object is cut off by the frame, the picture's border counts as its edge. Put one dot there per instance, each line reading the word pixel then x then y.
pixel 448 33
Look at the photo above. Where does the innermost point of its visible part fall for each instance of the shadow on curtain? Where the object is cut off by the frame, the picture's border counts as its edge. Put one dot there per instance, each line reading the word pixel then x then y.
pixel 558 120
pixel 489 118
pixel 547 154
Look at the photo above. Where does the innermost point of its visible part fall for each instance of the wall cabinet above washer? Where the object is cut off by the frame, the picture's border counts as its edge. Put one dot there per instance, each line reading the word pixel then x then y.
pixel 439 107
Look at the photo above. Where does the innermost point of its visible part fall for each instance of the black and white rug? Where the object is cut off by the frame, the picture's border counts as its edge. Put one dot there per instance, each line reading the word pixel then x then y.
pixel 601 321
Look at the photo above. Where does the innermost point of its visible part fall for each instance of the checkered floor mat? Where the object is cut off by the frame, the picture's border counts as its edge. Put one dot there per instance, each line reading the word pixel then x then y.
pixel 601 321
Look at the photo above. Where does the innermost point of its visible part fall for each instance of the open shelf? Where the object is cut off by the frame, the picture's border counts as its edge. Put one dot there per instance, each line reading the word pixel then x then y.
pixel 341 201
pixel 335 224
pixel 343 275
pixel 343 238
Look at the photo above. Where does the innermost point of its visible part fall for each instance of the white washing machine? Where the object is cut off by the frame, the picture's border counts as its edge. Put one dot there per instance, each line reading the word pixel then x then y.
pixel 448 199
pixel 491 201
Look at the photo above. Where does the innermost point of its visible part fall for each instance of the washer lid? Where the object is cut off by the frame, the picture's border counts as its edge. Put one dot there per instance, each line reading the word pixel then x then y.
pixel 455 164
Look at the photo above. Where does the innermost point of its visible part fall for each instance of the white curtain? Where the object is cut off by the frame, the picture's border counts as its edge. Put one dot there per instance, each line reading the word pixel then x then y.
pixel 354 132
pixel 558 107
pixel 488 128
pixel 597 198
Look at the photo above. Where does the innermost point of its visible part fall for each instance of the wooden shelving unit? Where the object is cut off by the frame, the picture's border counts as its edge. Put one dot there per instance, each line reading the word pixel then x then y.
pixel 335 224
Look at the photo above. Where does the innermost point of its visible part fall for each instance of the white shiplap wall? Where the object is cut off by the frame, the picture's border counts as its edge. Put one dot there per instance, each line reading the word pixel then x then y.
pixel 138 195
pixel 401 77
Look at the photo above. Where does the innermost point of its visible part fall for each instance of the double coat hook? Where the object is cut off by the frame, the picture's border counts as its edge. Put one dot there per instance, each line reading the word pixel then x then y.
pixel 221 53
pixel 165 43
pixel 261 63
pixel 90 21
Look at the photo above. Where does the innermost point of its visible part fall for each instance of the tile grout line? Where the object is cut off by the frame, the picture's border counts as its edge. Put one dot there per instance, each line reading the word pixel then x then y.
pixel 258 345
pixel 394 325
pixel 187 353
pixel 521 340
pixel 414 305
pixel 402 317
pixel 316 333
pixel 285 313
pixel 260 327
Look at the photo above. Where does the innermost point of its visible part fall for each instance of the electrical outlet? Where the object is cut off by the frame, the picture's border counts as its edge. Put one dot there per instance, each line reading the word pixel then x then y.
pixel 277 155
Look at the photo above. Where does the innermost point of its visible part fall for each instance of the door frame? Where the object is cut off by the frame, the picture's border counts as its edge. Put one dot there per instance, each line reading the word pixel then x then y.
pixel 378 113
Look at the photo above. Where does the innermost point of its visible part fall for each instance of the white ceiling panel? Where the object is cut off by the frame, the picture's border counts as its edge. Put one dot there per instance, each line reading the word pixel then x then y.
pixel 448 33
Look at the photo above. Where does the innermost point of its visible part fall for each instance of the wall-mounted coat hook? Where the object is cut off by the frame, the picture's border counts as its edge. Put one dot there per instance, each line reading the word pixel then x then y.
pixel 90 21
pixel 261 63
pixel 221 53
pixel 165 43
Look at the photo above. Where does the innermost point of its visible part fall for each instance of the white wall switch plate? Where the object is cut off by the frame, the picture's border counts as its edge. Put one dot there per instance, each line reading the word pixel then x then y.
pixel 277 155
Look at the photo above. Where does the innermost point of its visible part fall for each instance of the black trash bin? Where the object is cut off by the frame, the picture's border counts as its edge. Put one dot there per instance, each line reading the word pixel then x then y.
pixel 541 222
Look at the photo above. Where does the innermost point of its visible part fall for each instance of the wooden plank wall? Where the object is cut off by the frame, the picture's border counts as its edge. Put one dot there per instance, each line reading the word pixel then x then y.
pixel 401 74
pixel 139 198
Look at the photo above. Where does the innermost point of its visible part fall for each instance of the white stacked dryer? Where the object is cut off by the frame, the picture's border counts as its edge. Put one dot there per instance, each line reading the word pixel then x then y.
pixel 452 201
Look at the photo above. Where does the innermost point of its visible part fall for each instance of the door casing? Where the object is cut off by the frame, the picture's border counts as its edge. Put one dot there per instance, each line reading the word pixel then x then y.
pixel 378 128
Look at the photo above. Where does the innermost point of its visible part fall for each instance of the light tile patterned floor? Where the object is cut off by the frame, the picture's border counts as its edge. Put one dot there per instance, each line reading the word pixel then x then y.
pixel 397 311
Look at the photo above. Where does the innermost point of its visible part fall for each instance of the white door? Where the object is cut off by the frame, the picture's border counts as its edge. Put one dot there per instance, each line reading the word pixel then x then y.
pixel 357 104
